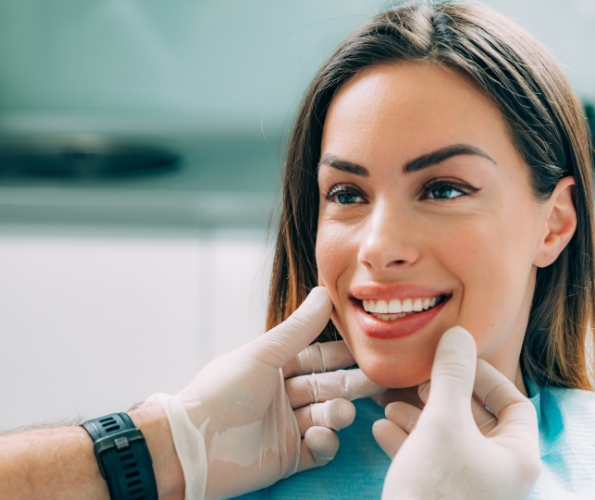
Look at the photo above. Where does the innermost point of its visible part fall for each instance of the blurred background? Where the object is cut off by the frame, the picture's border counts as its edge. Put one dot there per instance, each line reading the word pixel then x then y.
pixel 141 143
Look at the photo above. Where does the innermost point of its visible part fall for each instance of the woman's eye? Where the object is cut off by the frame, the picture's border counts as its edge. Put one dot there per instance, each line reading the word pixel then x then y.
pixel 344 196
pixel 347 198
pixel 443 192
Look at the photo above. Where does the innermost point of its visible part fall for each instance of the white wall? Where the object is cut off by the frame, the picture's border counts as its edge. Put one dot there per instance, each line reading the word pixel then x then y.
pixel 92 323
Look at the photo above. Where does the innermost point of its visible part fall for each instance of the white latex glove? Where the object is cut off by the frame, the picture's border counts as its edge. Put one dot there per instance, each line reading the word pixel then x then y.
pixel 441 451
pixel 251 417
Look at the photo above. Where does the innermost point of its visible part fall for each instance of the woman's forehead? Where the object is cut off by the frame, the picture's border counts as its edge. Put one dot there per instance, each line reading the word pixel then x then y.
pixel 410 108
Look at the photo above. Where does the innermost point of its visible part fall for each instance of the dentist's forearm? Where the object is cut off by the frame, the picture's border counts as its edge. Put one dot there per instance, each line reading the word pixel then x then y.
pixel 50 464
pixel 60 463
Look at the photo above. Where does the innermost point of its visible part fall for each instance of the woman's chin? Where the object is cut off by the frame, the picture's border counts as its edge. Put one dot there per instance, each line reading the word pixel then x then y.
pixel 396 376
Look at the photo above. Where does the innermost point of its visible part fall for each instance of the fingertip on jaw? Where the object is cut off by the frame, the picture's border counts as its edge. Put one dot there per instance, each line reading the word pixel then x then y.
pixel 318 295
pixel 457 340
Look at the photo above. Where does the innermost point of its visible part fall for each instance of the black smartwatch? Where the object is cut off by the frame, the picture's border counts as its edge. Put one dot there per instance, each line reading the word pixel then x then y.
pixel 123 457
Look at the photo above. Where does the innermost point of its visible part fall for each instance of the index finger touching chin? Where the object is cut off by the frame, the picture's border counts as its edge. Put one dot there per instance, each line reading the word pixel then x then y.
pixel 320 358
pixel 317 388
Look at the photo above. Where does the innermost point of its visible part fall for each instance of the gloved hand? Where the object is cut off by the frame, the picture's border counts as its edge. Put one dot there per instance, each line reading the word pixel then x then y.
pixel 441 451
pixel 252 416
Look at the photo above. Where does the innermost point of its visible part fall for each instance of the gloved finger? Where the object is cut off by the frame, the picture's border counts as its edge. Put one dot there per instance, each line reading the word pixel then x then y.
pixel 335 414
pixel 403 414
pixel 453 372
pixel 287 339
pixel 389 436
pixel 507 403
pixel 320 358
pixel 484 419
pixel 406 394
pixel 317 388
pixel 517 427
pixel 319 447
pixel 423 390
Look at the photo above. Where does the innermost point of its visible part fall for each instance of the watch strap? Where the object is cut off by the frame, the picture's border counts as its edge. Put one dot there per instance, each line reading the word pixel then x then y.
pixel 123 457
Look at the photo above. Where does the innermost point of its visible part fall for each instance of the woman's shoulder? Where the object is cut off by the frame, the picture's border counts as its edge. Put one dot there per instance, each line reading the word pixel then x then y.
pixel 568 404
pixel 567 443
pixel 565 414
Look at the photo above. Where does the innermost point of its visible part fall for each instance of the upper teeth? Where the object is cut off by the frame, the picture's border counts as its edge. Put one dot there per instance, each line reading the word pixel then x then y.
pixel 399 305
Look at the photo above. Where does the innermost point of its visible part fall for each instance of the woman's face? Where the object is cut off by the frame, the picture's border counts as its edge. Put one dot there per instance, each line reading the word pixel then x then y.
pixel 427 220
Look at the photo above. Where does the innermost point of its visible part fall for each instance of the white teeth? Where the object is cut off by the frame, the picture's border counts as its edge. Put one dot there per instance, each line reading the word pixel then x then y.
pixel 390 317
pixel 394 306
pixel 389 310
pixel 381 306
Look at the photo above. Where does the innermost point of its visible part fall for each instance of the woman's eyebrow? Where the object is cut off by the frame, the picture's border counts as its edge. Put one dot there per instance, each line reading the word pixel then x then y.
pixel 443 154
pixel 343 165
pixel 424 161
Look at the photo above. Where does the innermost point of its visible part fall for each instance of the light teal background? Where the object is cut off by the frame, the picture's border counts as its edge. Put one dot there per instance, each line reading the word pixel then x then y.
pixel 228 65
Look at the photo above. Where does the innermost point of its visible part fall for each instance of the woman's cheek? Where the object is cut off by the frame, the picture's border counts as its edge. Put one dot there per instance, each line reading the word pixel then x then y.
pixel 336 252
pixel 333 254
pixel 492 287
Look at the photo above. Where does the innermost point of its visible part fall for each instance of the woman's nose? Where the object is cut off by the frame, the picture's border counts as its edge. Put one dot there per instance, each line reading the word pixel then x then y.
pixel 388 240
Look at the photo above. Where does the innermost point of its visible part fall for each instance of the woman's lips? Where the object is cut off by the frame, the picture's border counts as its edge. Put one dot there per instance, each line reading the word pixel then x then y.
pixel 397 328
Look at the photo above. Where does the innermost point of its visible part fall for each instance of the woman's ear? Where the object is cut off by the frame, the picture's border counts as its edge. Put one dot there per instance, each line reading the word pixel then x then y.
pixel 559 223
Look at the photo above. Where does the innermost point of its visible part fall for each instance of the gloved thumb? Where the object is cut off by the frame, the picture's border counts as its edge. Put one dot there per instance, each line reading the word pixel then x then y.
pixel 289 338
pixel 453 372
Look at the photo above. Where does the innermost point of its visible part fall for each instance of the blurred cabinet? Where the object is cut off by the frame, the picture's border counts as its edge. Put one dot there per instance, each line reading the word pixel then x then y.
pixel 93 323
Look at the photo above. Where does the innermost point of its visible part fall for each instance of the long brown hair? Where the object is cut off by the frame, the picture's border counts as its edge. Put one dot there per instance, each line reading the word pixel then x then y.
pixel 545 120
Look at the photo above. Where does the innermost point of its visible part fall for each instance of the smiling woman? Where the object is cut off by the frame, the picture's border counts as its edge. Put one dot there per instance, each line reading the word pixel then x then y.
pixel 441 211
pixel 439 174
